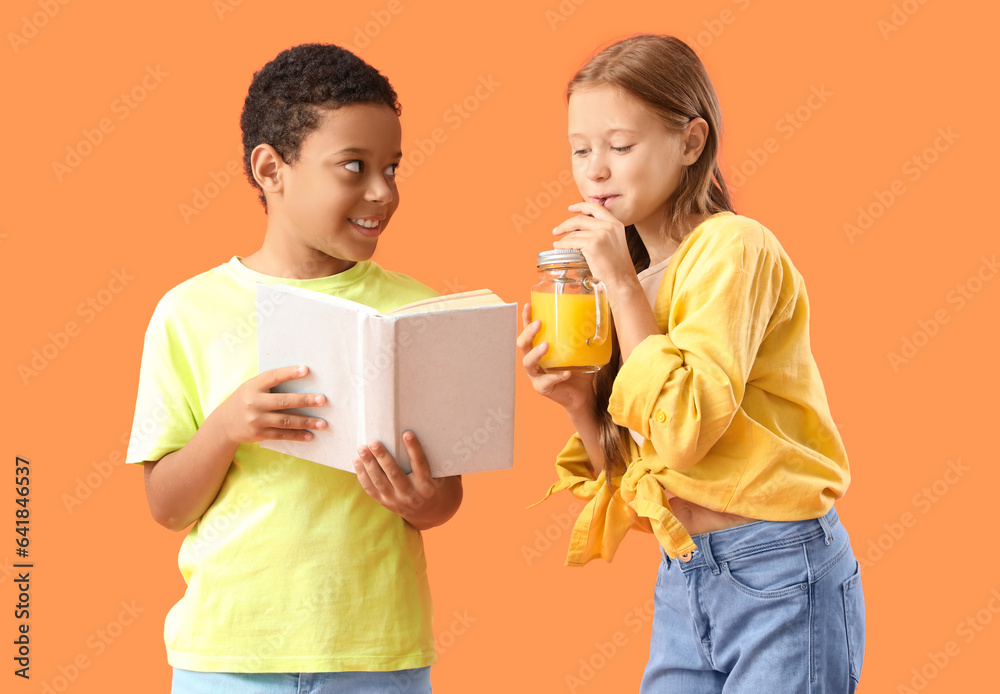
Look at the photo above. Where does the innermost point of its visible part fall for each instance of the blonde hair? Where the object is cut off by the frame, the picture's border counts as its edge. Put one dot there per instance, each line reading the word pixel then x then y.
pixel 667 76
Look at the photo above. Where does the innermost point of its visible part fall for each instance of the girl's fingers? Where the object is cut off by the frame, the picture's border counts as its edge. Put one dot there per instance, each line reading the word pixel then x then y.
pixel 526 337
pixel 532 357
pixel 546 383
pixel 578 223
pixel 593 209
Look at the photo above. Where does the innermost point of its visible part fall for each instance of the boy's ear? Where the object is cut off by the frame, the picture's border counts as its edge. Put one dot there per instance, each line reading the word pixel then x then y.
pixel 693 140
pixel 267 165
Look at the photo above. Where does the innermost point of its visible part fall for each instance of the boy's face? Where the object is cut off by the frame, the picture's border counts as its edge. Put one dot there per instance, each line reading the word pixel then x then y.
pixel 338 196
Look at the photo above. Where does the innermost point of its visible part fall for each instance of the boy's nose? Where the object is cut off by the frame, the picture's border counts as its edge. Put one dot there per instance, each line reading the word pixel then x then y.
pixel 378 190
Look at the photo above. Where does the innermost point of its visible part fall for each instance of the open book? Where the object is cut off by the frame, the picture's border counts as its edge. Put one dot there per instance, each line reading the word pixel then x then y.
pixel 442 368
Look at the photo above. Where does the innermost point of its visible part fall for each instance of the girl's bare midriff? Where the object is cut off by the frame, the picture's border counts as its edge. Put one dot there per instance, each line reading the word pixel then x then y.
pixel 698 519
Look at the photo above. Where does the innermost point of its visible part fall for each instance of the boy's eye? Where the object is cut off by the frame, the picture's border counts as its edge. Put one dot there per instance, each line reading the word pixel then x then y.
pixel 357 166
pixel 623 149
pixel 580 152
pixel 391 169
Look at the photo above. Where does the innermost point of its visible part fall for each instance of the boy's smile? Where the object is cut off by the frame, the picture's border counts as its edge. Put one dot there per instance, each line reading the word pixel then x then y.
pixel 328 208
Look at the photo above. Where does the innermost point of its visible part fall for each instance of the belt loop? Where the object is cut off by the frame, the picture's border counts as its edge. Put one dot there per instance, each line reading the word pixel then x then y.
pixel 824 523
pixel 706 549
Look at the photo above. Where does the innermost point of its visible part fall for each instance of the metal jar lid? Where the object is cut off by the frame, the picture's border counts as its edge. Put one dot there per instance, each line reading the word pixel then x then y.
pixel 561 256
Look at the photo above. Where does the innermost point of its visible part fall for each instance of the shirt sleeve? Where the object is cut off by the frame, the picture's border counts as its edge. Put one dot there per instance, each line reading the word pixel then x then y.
pixel 681 390
pixel 164 419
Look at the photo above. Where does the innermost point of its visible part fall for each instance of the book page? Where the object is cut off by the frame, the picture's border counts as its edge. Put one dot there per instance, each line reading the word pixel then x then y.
pixel 303 327
pixel 477 297
pixel 455 375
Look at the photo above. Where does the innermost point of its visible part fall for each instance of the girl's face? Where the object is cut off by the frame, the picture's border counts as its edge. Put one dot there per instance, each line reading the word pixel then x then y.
pixel 624 157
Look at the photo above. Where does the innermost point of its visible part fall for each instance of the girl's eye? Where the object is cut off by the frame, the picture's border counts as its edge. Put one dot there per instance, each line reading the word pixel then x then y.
pixel 580 152
pixel 357 166
pixel 623 149
pixel 391 169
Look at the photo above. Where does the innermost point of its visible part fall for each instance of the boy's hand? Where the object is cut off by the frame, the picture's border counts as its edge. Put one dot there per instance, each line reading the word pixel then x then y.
pixel 420 499
pixel 253 413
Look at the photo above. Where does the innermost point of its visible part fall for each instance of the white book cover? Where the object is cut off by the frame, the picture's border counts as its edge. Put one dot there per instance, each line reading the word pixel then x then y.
pixel 447 374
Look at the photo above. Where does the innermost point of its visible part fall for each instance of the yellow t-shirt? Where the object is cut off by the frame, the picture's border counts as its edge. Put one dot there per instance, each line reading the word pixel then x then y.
pixel 293 568
pixel 728 399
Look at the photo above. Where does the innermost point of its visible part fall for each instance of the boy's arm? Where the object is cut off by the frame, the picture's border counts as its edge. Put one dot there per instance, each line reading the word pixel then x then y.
pixel 181 485
pixel 423 502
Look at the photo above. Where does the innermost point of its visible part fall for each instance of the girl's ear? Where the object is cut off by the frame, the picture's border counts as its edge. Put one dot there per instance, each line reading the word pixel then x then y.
pixel 266 164
pixel 693 140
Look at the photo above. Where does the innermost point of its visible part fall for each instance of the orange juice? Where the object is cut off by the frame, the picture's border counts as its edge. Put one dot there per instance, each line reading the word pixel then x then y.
pixel 569 322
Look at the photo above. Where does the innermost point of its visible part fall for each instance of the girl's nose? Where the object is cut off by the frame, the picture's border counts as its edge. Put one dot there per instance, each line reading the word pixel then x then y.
pixel 597 167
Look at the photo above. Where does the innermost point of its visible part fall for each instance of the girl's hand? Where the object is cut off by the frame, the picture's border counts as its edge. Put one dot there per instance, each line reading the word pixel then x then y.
pixel 571 389
pixel 601 238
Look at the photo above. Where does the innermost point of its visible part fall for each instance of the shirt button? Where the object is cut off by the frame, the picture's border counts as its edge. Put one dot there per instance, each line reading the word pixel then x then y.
pixel 661 416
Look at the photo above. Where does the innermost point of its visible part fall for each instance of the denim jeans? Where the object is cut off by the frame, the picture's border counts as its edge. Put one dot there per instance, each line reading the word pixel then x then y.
pixel 414 681
pixel 769 606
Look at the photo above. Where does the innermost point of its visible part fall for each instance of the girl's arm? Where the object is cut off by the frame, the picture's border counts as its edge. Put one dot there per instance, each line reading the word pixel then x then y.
pixel 681 390
pixel 587 426
pixel 574 391
pixel 601 238
pixel 634 320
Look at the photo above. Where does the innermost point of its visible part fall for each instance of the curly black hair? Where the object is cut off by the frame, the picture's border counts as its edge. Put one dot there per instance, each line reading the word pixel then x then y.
pixel 285 98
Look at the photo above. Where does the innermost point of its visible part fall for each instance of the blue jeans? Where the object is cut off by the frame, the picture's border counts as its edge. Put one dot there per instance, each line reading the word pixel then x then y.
pixel 414 681
pixel 769 606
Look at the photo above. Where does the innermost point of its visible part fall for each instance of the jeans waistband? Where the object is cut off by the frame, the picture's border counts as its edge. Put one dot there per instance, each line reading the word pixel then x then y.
pixel 750 538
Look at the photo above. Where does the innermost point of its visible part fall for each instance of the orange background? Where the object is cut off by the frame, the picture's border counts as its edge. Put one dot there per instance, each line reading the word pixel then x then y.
pixel 528 620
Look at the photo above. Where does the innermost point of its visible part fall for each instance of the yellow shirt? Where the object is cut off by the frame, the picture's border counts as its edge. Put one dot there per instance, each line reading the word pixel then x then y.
pixel 728 398
pixel 293 568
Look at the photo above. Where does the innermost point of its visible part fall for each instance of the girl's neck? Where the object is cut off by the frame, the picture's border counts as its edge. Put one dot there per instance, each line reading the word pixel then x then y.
pixel 661 244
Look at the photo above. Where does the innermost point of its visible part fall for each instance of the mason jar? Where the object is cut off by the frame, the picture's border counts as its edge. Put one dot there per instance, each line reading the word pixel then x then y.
pixel 573 308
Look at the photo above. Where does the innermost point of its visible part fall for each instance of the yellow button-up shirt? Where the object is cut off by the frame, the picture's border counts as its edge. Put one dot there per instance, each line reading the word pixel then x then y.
pixel 728 398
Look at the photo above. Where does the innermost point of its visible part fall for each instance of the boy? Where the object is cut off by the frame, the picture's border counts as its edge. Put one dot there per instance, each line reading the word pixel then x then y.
pixel 299 577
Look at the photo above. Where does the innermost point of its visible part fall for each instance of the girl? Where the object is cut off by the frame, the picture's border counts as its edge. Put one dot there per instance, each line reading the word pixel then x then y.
pixel 710 426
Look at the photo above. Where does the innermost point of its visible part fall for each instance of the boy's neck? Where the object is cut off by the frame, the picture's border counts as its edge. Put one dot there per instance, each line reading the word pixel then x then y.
pixel 296 263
